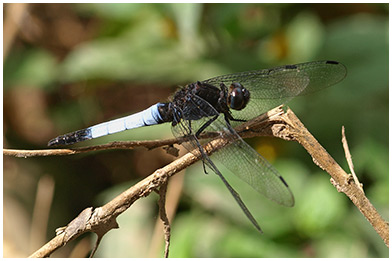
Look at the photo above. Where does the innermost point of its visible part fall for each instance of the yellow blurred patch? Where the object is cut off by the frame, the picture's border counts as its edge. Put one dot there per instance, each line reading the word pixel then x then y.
pixel 268 151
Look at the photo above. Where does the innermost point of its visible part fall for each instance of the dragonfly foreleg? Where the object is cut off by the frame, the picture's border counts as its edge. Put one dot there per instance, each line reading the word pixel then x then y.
pixel 205 125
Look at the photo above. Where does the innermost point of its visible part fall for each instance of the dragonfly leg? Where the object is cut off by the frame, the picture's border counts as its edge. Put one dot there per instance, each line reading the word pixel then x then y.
pixel 228 116
pixel 205 125
pixel 203 155
pixel 227 120
pixel 199 146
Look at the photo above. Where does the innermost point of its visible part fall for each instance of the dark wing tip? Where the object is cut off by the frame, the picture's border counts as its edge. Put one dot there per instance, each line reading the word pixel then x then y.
pixel 292 201
pixel 343 69
pixel 332 62
pixel 337 63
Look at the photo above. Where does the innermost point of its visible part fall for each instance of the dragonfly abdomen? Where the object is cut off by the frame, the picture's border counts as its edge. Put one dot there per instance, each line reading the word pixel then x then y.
pixel 150 116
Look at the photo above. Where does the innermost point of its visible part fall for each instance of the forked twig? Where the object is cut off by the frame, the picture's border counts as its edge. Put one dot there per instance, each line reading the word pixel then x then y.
pixel 291 128
pixel 277 123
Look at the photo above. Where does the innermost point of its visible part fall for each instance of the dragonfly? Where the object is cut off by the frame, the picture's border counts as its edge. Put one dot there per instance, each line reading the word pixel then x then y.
pixel 218 105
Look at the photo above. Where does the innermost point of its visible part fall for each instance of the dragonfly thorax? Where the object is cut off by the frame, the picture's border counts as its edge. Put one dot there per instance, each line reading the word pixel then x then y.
pixel 238 96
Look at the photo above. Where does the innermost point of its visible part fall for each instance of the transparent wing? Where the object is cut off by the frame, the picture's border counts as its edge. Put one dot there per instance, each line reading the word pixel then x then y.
pixel 251 167
pixel 271 87
pixel 238 156
pixel 268 88
pixel 182 127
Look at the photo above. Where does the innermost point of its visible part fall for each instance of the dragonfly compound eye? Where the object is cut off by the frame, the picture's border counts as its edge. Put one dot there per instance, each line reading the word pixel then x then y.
pixel 238 96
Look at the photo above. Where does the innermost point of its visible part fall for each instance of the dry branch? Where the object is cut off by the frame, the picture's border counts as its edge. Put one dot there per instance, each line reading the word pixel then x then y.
pixel 164 218
pixel 275 123
pixel 148 144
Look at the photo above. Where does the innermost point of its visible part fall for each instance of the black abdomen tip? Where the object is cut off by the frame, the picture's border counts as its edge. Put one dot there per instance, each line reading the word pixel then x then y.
pixel 71 138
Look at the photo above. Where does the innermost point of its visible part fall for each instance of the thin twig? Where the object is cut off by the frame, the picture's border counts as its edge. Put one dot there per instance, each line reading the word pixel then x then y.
pixel 163 217
pixel 173 195
pixel 349 159
pixel 149 144
pixel 292 128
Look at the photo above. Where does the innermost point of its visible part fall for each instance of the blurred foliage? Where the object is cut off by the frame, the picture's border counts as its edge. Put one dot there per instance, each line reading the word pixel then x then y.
pixel 73 65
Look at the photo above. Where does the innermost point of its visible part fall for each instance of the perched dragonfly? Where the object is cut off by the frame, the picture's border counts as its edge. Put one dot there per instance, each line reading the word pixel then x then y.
pixel 218 105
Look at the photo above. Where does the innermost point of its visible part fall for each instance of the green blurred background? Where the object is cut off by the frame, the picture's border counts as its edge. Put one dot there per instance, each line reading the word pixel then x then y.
pixel 69 66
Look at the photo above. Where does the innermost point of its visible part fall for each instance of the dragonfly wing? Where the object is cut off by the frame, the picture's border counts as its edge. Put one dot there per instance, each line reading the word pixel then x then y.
pixel 242 160
pixel 271 87
pixel 238 156
pixel 251 167
pixel 188 128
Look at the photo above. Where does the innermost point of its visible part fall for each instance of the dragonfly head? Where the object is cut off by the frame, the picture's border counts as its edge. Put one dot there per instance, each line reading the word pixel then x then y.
pixel 238 96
